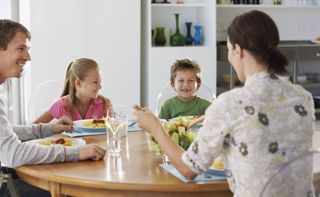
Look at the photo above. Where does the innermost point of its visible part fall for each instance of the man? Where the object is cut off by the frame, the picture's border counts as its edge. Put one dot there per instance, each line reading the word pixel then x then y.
pixel 14 54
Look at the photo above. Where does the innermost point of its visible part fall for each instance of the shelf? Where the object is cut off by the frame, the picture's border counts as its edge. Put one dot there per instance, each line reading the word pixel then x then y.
pixel 310 84
pixel 267 6
pixel 179 47
pixel 177 5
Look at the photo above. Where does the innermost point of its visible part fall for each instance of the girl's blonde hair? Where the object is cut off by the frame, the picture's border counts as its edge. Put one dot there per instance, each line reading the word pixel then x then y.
pixel 79 68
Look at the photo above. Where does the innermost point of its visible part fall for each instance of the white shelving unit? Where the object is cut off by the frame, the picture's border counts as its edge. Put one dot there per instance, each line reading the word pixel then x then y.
pixel 157 60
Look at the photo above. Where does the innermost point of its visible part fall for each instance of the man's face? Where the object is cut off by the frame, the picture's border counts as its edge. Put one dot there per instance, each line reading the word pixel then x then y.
pixel 14 57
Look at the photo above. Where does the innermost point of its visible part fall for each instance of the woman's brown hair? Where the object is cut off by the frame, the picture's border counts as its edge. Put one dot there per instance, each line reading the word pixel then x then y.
pixel 256 32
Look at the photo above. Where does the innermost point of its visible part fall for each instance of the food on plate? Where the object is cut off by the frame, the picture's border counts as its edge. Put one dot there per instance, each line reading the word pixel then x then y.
pixel 60 140
pixel 95 123
pixel 217 164
pixel 179 132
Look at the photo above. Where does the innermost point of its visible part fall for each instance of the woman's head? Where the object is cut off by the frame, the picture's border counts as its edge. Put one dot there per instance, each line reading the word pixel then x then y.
pixel 257 33
pixel 82 78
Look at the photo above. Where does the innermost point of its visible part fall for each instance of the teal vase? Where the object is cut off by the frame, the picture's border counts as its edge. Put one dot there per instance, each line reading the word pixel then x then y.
pixel 177 39
pixel 160 38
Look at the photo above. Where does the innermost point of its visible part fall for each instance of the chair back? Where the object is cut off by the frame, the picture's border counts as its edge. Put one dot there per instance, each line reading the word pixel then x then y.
pixel 167 92
pixel 43 96
pixel 307 163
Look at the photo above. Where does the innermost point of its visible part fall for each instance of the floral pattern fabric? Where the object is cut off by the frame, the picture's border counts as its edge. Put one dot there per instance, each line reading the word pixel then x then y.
pixel 255 129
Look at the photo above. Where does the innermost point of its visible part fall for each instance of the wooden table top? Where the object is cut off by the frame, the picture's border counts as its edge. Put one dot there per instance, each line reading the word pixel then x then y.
pixel 135 173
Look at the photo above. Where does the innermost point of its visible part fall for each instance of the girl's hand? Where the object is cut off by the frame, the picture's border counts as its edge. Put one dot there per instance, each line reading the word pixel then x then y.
pixel 91 151
pixel 63 124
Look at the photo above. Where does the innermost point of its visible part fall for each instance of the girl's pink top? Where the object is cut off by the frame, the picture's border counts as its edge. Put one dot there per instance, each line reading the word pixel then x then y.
pixel 59 109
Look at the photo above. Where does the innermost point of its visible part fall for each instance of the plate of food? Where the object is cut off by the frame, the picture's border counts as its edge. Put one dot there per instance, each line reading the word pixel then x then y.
pixel 217 168
pixel 59 140
pixel 90 125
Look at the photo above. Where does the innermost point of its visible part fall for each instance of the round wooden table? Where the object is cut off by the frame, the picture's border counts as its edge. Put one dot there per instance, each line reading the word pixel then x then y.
pixel 136 173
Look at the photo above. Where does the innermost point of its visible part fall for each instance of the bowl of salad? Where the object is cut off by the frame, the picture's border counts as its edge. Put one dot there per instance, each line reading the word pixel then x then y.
pixel 178 130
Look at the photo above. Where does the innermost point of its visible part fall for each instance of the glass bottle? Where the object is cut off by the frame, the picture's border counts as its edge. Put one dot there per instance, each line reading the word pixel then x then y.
pixel 189 39
pixel 197 35
pixel 160 38
pixel 177 39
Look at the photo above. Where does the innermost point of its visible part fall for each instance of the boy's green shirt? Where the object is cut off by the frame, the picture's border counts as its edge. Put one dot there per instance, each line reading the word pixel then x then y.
pixel 173 107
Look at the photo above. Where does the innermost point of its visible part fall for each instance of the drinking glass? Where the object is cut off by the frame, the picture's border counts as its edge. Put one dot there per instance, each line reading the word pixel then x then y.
pixel 122 112
pixel 113 124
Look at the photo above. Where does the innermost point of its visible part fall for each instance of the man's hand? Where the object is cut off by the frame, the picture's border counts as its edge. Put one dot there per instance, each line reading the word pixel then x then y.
pixel 91 151
pixel 63 124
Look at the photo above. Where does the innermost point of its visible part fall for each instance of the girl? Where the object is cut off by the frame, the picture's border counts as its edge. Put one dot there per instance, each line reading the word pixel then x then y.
pixel 80 98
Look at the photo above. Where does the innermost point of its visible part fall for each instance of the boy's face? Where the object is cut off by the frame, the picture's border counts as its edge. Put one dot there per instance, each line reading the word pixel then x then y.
pixel 185 84
pixel 13 59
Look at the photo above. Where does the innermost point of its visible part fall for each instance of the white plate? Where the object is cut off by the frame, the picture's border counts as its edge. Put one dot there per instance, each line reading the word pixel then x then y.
pixel 75 141
pixel 78 124
pixel 215 171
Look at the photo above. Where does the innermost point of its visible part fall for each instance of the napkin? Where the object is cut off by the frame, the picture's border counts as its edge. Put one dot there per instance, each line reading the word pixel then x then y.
pixel 84 133
pixel 207 176
pixel 133 127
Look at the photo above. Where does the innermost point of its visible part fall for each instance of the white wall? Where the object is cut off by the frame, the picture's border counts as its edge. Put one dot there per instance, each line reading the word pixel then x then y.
pixel 5 9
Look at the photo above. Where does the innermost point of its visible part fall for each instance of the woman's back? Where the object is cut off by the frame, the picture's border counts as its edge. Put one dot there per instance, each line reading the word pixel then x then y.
pixel 270 123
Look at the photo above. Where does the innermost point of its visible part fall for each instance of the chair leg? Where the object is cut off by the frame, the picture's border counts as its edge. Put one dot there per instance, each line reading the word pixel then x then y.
pixel 8 179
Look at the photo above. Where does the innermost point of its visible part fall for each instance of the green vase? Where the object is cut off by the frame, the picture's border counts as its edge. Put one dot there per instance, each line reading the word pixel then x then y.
pixel 160 38
pixel 177 39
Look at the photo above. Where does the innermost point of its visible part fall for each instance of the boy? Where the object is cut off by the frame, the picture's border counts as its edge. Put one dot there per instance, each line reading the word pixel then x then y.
pixel 185 80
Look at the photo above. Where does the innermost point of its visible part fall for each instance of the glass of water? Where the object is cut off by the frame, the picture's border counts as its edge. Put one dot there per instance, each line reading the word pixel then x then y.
pixel 113 124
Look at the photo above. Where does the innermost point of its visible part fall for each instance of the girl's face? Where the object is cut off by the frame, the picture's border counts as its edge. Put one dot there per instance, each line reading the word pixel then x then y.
pixel 90 86
pixel 234 57
pixel 185 84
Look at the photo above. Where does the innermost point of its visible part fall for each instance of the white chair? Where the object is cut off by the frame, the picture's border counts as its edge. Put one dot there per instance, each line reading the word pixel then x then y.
pixel 43 96
pixel 167 92
pixel 285 175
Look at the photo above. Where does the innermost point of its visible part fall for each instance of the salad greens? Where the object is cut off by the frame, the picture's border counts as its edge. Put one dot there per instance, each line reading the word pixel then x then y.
pixel 178 130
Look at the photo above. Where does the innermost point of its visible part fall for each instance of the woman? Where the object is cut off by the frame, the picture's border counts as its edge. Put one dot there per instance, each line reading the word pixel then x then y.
pixel 255 128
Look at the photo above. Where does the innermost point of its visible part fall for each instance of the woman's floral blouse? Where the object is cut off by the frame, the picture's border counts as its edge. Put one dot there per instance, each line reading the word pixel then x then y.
pixel 255 129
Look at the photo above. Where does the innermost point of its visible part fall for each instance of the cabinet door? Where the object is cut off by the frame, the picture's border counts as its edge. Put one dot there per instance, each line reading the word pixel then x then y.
pixel 309 53
pixel 113 39
pixel 57 37
pixel 57 30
